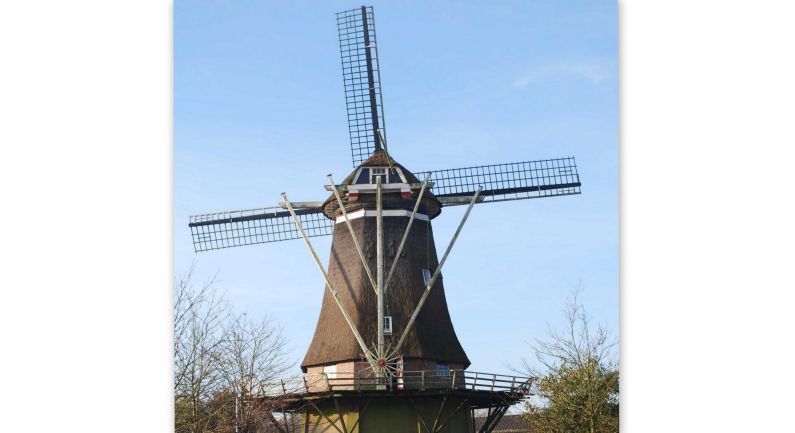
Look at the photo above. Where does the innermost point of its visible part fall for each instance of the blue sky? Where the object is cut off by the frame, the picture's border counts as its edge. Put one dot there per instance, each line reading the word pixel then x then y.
pixel 259 109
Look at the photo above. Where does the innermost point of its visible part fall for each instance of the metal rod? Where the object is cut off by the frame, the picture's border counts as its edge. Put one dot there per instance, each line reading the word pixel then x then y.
pixel 406 233
pixel 370 79
pixel 436 273
pixel 379 247
pixel 350 229
pixel 331 288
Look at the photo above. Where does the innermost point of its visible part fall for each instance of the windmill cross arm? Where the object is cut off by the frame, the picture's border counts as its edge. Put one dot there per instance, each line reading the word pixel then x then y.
pixel 459 199
pixel 254 226
pixel 509 181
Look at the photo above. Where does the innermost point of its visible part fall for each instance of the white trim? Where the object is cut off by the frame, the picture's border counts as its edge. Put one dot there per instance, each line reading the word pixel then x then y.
pixel 369 187
pixel 387 213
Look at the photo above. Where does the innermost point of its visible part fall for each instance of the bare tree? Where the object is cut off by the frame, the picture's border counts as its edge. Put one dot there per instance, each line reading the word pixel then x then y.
pixel 223 362
pixel 578 386
pixel 253 360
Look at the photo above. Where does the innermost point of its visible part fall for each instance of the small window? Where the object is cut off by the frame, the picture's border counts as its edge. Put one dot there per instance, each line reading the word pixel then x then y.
pixel 426 276
pixel 387 325
pixel 442 369
pixel 330 371
pixel 377 172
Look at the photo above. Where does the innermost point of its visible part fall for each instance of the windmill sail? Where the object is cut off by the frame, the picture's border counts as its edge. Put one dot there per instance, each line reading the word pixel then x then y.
pixel 502 182
pixel 254 226
pixel 361 76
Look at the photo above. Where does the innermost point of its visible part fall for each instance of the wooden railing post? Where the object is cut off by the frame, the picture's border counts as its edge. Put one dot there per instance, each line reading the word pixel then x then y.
pixel 475 380
pixel 493 381
pixel 422 380
pixel 452 383
pixel 306 386
pixel 328 386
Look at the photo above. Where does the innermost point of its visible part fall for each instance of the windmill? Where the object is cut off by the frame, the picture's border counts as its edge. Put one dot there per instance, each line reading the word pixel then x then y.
pixel 385 353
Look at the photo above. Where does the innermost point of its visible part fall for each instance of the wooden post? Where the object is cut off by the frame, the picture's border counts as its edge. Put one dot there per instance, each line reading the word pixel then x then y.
pixel 452 383
pixel 379 242
pixel 422 380
pixel 475 380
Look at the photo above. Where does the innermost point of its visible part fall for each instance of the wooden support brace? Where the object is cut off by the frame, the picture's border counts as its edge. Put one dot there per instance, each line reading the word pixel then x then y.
pixel 339 414
pixel 435 274
pixel 361 413
pixel 419 416
pixel 406 233
pixel 452 414
pixel 333 424
pixel 367 353
pixel 439 414
pixel 350 229
pixel 275 422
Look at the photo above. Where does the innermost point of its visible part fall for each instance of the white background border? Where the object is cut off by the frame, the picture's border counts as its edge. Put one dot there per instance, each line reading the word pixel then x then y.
pixel 707 105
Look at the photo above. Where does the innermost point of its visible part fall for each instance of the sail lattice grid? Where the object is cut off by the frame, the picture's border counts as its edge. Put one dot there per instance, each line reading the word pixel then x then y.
pixel 254 226
pixel 362 87
pixel 511 181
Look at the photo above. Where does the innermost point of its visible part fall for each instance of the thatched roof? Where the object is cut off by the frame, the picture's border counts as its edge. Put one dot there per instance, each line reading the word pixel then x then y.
pixel 432 336
pixel 430 205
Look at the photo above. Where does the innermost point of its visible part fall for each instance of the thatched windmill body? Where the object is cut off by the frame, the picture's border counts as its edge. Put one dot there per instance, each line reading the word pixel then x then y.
pixel 385 356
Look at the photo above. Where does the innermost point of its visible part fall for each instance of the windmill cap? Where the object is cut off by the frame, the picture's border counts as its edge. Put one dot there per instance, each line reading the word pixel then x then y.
pixel 430 205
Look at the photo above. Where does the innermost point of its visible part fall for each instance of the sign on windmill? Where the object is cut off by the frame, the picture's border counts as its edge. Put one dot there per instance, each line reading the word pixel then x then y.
pixel 384 327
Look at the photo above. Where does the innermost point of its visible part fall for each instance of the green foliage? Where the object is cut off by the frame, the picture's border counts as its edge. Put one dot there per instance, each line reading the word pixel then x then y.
pixel 576 399
pixel 577 391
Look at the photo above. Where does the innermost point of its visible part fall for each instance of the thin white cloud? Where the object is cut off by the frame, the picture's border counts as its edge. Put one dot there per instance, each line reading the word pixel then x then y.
pixel 590 72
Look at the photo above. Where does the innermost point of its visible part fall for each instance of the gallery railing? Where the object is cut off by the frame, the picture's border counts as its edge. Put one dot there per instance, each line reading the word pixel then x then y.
pixel 408 380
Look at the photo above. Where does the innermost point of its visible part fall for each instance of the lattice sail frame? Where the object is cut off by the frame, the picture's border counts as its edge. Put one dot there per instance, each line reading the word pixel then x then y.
pixel 511 181
pixel 254 226
pixel 363 98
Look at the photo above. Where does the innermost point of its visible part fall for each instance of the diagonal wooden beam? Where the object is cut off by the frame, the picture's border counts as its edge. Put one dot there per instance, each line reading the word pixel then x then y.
pixel 350 229
pixel 274 422
pixel 493 419
pixel 435 274
pixel 450 416
pixel 322 414
pixel 339 414
pixel 419 416
pixel 361 413
pixel 406 233
pixel 439 414
pixel 330 286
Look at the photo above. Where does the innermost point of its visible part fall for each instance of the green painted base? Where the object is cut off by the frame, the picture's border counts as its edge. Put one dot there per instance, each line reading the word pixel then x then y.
pixel 421 414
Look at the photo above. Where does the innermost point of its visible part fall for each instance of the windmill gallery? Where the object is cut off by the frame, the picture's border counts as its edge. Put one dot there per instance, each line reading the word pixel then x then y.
pixel 385 356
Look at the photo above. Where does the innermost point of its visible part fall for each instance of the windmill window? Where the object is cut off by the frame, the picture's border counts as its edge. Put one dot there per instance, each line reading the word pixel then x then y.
pixel 387 325
pixel 426 276
pixel 442 369
pixel 377 172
